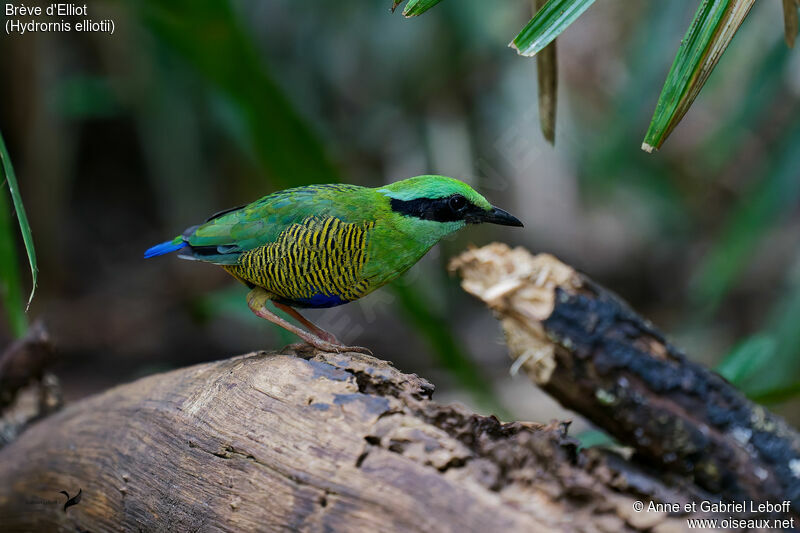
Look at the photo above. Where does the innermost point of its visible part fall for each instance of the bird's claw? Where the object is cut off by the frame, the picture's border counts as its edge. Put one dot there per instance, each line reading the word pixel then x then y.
pixel 340 348
pixel 358 349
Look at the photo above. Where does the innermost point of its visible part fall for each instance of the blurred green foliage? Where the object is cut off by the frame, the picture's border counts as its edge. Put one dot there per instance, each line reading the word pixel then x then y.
pixel 766 365
pixel 232 99
pixel 761 207
pixel 208 35
pixel 86 97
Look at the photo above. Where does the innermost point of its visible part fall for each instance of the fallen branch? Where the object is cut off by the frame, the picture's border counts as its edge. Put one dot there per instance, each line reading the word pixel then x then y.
pixel 591 352
pixel 308 442
pixel 27 391
pixel 23 362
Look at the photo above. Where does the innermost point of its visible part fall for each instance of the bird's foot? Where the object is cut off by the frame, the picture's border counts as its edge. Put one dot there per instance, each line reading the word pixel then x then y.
pixel 357 349
pixel 335 347
pixel 312 328
pixel 307 349
pixel 320 339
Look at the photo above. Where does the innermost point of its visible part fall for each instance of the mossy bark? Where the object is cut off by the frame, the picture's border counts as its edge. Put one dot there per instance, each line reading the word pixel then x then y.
pixel 585 347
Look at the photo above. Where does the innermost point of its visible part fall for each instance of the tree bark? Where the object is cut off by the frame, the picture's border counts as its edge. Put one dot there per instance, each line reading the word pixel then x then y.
pixel 585 347
pixel 308 441
pixel 27 391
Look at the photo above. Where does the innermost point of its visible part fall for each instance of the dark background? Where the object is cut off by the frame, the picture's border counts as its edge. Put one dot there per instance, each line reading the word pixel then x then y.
pixel 121 141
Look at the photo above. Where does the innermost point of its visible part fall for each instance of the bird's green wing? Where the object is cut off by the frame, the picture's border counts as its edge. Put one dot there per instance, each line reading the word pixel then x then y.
pixel 226 235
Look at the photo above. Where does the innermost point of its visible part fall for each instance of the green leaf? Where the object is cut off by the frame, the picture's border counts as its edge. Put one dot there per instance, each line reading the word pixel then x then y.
pixel 547 80
pixel 27 238
pixel 547 24
pixel 767 366
pixel 418 7
pixel 781 368
pixel 10 280
pixel 747 358
pixel 712 29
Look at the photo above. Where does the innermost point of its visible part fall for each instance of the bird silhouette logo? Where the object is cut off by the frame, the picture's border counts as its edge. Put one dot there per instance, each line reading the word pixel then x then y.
pixel 75 500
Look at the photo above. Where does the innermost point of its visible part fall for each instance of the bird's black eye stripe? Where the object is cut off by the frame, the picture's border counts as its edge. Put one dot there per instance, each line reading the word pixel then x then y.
pixel 447 209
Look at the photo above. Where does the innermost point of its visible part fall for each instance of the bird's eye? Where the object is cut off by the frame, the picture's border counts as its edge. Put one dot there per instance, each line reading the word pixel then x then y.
pixel 457 202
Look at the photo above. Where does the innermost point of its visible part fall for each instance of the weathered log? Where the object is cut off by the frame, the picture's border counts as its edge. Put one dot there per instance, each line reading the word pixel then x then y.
pixel 27 391
pixel 24 361
pixel 591 352
pixel 315 441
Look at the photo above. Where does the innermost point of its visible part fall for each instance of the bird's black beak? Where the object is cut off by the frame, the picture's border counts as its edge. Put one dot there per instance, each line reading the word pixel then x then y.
pixel 503 218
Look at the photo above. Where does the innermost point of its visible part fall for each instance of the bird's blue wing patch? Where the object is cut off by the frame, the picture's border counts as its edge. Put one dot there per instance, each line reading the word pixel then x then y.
pixel 164 248
pixel 318 301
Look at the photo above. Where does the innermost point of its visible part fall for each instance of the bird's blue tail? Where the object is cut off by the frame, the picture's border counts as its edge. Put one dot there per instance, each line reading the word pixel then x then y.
pixel 165 248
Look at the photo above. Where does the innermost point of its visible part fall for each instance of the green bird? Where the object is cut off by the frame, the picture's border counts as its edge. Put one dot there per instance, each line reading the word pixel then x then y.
pixel 326 245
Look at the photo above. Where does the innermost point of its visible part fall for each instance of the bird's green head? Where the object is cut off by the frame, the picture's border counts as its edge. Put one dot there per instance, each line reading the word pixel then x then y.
pixel 445 204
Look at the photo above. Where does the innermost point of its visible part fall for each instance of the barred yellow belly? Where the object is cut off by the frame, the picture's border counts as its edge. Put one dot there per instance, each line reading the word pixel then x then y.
pixel 316 263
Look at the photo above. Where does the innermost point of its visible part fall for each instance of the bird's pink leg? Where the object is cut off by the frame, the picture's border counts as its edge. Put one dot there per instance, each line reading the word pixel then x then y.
pixel 316 330
pixel 257 300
